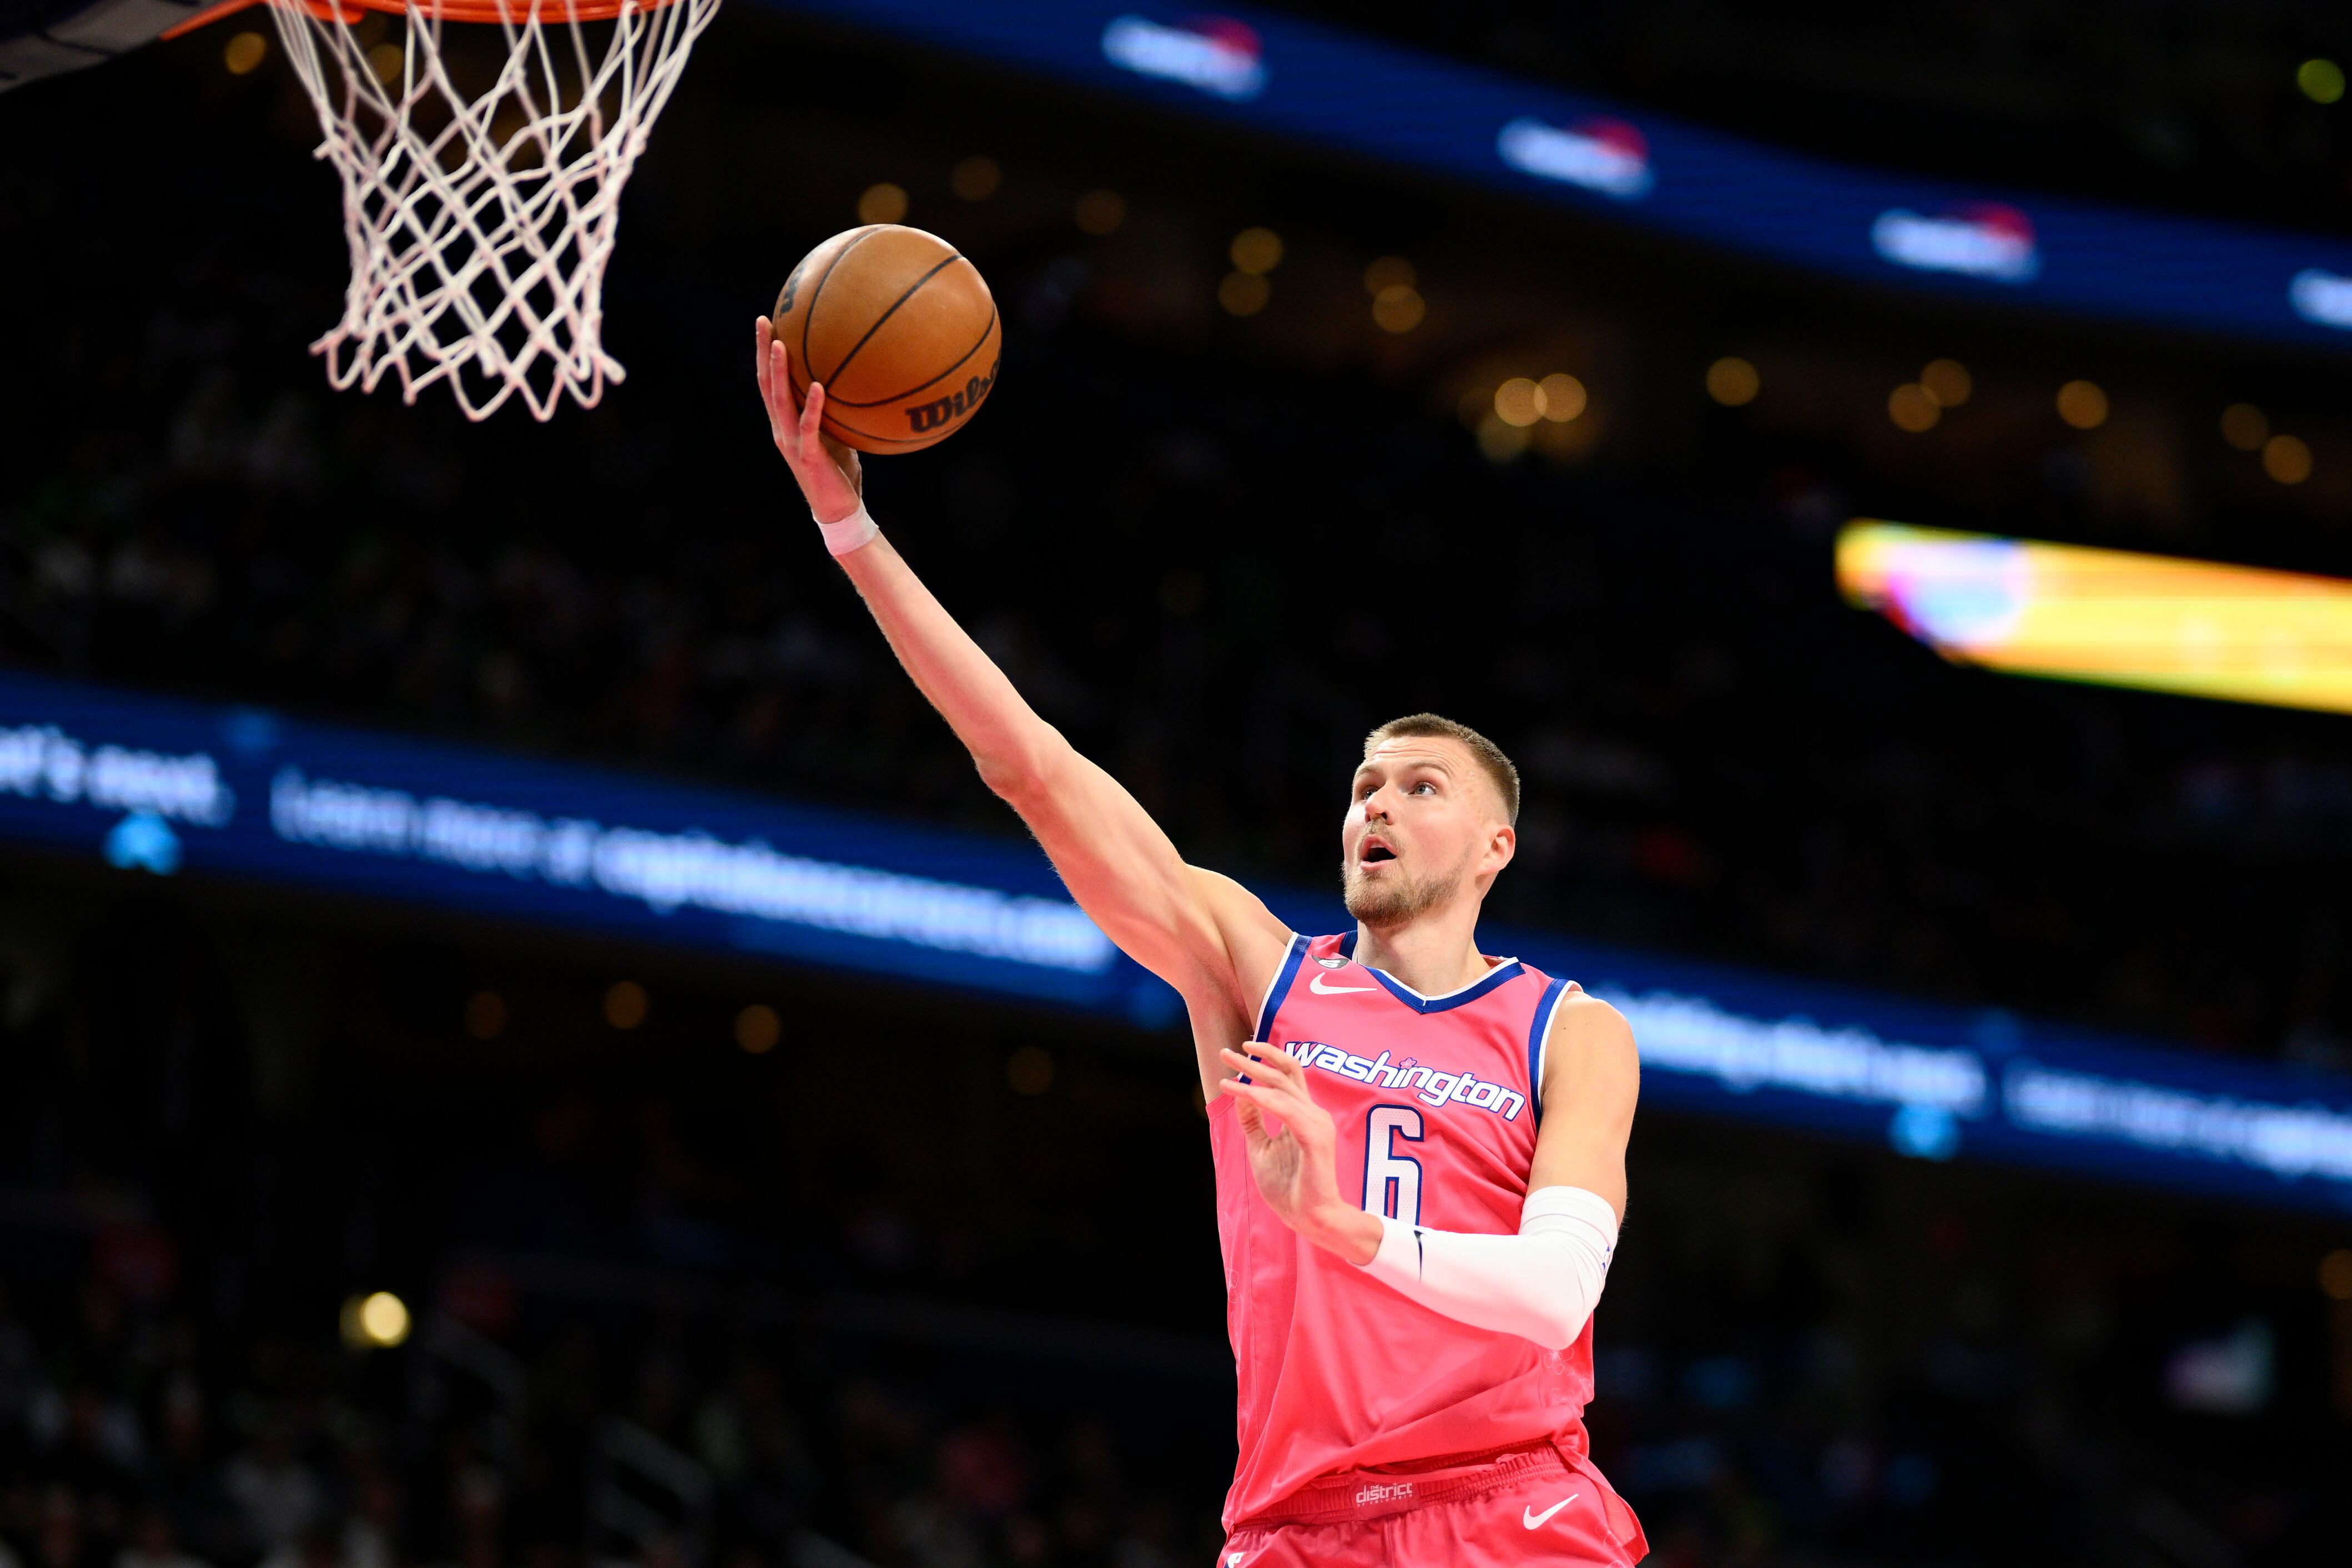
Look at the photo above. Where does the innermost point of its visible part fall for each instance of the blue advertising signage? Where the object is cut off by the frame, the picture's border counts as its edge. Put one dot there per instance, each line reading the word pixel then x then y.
pixel 157 786
pixel 1325 87
pixel 1934 1080
pixel 163 786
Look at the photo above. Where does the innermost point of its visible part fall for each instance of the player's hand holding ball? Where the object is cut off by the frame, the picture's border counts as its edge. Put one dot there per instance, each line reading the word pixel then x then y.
pixel 884 340
pixel 829 472
pixel 1294 1151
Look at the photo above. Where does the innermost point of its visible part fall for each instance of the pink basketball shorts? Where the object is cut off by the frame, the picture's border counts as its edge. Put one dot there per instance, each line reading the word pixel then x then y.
pixel 1529 1505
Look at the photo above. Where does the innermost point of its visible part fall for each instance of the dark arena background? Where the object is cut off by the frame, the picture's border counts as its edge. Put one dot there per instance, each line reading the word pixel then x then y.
pixel 368 1200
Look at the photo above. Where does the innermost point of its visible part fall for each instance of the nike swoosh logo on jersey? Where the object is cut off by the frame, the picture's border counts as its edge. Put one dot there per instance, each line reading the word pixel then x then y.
pixel 1534 1520
pixel 1320 990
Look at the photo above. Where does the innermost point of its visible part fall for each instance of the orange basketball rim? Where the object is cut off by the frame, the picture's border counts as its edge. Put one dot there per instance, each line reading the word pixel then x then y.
pixel 348 11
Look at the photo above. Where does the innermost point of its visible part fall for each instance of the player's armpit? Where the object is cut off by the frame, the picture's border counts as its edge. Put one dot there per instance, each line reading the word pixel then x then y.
pixel 1591 1079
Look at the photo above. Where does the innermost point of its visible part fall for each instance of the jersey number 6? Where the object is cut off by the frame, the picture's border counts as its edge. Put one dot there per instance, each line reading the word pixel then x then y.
pixel 1391 1181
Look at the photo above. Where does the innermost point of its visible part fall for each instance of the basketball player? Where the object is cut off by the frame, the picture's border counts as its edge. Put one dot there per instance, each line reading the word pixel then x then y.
pixel 1420 1150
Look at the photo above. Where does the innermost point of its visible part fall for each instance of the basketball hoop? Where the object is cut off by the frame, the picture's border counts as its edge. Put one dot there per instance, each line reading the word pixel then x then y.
pixel 480 212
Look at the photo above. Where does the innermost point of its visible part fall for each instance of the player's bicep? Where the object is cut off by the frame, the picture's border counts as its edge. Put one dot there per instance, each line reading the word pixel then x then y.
pixel 1592 1078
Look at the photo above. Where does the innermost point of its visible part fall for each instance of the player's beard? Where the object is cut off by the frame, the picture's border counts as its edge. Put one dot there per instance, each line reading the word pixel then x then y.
pixel 1385 905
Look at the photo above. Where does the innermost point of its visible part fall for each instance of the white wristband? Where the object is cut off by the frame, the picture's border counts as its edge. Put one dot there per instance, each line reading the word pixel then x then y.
pixel 853 532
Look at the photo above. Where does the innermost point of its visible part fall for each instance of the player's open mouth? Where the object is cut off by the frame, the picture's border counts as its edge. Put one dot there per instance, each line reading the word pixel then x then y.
pixel 1374 852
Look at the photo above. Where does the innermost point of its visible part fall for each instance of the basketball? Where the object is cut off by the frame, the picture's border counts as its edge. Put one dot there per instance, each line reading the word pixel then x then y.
pixel 901 330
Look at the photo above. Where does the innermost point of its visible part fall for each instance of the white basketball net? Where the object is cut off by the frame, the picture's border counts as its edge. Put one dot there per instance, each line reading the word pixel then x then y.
pixel 480 221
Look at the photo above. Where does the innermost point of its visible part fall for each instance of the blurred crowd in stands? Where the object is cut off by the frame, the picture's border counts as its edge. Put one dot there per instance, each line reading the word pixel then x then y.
pixel 132 1438
pixel 1805 1356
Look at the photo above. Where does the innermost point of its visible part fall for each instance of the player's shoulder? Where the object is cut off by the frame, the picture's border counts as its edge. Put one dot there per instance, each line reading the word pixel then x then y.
pixel 1229 901
pixel 1596 1030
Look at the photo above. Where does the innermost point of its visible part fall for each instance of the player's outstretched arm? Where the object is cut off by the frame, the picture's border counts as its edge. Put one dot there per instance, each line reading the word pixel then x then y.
pixel 1203 934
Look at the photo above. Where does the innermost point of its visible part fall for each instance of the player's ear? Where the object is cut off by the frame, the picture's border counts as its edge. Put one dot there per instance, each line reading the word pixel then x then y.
pixel 1502 844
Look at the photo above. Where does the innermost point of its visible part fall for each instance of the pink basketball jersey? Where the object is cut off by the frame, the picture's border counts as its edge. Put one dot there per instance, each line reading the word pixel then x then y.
pixel 1436 1102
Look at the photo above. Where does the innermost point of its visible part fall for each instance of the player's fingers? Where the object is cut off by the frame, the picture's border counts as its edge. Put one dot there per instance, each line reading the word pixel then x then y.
pixel 1278 1065
pixel 845 459
pixel 1247 1066
pixel 1255 1097
pixel 759 358
pixel 1272 1084
pixel 1275 1100
pixel 784 413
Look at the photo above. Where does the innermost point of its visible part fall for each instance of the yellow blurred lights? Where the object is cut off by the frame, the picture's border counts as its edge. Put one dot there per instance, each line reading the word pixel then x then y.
pixel 2245 428
pixel 2322 80
pixel 1913 408
pixel 2335 1275
pixel 1518 403
pixel 376 1322
pixel 1243 293
pixel 1561 397
pixel 758 1028
pixel 1399 308
pixel 1256 250
pixel 387 61
pixel 244 54
pixel 882 204
pixel 485 1015
pixel 1390 272
pixel 1733 381
pixel 1521 401
pixel 1948 381
pixel 2286 459
pixel 627 1005
pixel 976 178
pixel 1099 212
pixel 2083 405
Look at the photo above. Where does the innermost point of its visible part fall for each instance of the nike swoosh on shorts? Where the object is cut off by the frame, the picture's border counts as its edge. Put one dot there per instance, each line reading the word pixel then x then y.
pixel 1534 1520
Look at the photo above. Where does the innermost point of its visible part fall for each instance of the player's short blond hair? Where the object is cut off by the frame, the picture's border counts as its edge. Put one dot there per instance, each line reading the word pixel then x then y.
pixel 1499 770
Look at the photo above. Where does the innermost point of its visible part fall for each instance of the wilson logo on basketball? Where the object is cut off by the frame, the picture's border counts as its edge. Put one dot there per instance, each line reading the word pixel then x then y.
pixel 931 415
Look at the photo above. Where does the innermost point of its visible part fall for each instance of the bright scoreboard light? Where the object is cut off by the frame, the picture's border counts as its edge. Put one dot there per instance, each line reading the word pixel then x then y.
pixel 2112 617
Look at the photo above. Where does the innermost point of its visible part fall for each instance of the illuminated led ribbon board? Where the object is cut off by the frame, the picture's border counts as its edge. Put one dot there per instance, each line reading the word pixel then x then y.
pixel 2109 617
pixel 1326 87
pixel 155 786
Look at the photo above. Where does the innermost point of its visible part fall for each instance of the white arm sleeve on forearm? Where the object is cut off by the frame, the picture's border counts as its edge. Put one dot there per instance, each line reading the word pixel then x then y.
pixel 1541 1284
